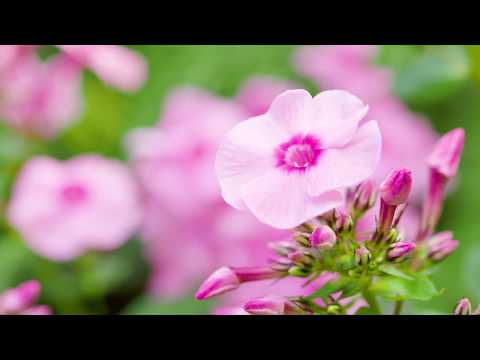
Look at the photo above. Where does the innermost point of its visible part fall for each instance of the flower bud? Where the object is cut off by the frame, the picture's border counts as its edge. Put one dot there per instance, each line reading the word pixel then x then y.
pixel 14 301
pixel 271 305
pixel 299 271
pixel 362 255
pixel 343 223
pixel 323 237
pixel 440 245
pixel 400 250
pixel 464 307
pixel 447 152
pixel 302 240
pixel 396 187
pixel 365 196
pixel 227 279
pixel 282 248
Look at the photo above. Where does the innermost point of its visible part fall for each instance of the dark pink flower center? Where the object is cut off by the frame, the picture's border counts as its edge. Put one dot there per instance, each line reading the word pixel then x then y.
pixel 298 154
pixel 74 193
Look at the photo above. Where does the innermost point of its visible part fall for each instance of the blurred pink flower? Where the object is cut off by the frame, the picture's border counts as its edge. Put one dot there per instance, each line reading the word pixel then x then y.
pixel 352 68
pixel 188 229
pixel 21 300
pixel 292 163
pixel 63 209
pixel 116 65
pixel 41 98
pixel 257 93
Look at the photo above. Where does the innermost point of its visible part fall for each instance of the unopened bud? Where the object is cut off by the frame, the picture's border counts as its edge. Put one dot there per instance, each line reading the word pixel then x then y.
pixel 323 237
pixel 400 250
pixel 271 305
pixel 447 152
pixel 396 188
pixel 362 255
pixel 440 245
pixel 343 223
pixel 464 307
pixel 365 196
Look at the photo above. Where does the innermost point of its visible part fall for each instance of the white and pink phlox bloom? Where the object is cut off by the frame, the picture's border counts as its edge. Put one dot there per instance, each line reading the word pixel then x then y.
pixel 293 163
pixel 188 229
pixel 63 209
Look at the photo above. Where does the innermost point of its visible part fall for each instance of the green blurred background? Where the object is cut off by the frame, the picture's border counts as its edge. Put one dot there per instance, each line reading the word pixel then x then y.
pixel 442 82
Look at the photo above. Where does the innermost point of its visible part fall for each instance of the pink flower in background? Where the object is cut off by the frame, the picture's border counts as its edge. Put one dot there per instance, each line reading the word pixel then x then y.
pixel 188 229
pixel 63 209
pixel 257 93
pixel 352 68
pixel 41 98
pixel 292 163
pixel 21 300
pixel 116 65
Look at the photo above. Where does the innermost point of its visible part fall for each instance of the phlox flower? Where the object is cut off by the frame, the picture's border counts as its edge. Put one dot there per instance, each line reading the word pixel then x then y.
pixel 63 209
pixel 188 230
pixel 292 163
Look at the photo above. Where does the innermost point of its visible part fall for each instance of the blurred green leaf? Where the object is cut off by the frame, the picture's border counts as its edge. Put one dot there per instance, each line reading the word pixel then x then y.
pixel 396 288
pixel 394 271
pixel 186 306
pixel 432 75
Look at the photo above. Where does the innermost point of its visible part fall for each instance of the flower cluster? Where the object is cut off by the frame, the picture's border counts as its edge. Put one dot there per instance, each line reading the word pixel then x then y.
pixel 306 165
pixel 21 300
pixel 40 98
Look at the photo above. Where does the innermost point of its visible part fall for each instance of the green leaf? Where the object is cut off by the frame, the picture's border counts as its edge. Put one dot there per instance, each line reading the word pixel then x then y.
pixel 347 286
pixel 435 74
pixel 392 270
pixel 396 288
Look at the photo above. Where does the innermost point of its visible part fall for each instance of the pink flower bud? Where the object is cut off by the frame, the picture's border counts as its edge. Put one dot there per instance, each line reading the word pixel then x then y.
pixel 464 307
pixel 365 196
pixel 14 301
pixel 221 281
pixel 441 245
pixel 270 305
pixel 323 237
pixel 343 222
pixel 447 152
pixel 362 255
pixel 227 279
pixel 396 187
pixel 400 250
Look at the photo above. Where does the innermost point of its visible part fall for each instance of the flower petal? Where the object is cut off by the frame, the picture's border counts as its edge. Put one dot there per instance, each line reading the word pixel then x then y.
pixel 291 111
pixel 335 117
pixel 245 154
pixel 280 200
pixel 350 165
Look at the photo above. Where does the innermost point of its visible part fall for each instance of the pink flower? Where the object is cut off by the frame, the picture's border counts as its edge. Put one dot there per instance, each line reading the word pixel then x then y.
pixel 116 65
pixel 63 209
pixel 352 68
pixel 464 307
pixel 323 237
pixel 257 93
pixel 21 300
pixel 188 230
pixel 290 164
pixel 41 98
pixel 347 67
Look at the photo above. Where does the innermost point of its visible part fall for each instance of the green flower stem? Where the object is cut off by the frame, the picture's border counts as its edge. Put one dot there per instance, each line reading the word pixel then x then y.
pixel 372 302
pixel 398 307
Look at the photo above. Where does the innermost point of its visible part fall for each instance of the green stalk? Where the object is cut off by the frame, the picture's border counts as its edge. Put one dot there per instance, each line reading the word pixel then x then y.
pixel 398 307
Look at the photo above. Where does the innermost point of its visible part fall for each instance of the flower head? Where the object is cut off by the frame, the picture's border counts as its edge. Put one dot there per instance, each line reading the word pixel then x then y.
pixel 292 163
pixel 63 209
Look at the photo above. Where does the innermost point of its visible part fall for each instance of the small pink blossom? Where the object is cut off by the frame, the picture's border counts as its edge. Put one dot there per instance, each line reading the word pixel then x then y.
pixel 63 209
pixel 323 237
pixel 271 305
pixel 396 188
pixel 398 251
pixel 464 307
pixel 292 163
pixel 21 300
pixel 440 245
